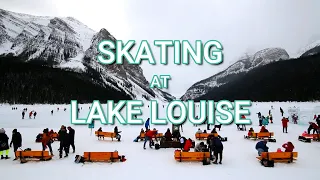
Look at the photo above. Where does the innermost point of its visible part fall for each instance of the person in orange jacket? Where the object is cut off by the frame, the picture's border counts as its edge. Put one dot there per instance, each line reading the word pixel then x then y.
pixel 285 125
pixel 187 145
pixel 46 141
pixel 288 147
pixel 148 137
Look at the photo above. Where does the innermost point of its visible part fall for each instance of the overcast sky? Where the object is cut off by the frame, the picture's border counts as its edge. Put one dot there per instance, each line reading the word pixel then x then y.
pixel 241 26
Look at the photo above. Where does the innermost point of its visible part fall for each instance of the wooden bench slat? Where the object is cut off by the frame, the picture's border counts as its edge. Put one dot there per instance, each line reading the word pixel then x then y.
pixel 262 135
pixel 33 154
pixel 101 156
pixel 279 156
pixel 204 135
pixel 191 156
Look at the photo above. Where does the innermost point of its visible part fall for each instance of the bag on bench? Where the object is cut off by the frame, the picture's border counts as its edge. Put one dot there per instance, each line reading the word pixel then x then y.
pixel 79 159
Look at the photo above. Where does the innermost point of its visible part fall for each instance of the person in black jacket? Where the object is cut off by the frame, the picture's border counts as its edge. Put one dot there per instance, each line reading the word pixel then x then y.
pixel 4 144
pixel 217 147
pixel 64 141
pixel 16 140
pixel 318 120
pixel 71 138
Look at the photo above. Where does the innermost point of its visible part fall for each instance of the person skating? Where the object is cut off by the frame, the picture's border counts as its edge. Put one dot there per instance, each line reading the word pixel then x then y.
pixel 147 124
pixel 281 111
pixel 23 114
pixel 30 114
pixel 4 144
pixel 318 120
pixel 148 137
pixel 63 138
pixel 34 115
pixel 51 112
pixel 259 115
pixel 313 126
pixel 260 120
pixel 285 125
pixel 47 141
pixel 217 148
pixel 71 138
pixel 271 118
pixel 16 141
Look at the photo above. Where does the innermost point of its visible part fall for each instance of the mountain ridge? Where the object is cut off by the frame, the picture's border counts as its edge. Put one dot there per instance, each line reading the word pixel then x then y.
pixel 66 43
pixel 235 71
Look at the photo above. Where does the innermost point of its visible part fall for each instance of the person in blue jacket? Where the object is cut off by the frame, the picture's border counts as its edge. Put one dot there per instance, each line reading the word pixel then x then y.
pixel 147 124
pixel 262 147
pixel 265 121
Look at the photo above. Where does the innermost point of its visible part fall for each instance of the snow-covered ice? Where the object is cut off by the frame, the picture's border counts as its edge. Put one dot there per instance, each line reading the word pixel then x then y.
pixel 239 161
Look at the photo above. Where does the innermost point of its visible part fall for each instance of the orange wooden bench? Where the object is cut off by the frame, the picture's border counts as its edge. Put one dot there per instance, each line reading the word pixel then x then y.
pixel 191 156
pixel 203 136
pixel 262 135
pixel 101 134
pixel 307 138
pixel 102 156
pixel 285 157
pixel 33 155
pixel 158 135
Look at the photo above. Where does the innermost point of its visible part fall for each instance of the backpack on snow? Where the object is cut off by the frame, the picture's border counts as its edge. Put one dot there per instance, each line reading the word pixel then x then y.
pixel 79 159
pixel 157 146
pixel 267 163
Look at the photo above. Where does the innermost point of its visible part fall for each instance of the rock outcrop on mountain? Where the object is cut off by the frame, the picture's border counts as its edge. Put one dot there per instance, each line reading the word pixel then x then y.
pixel 235 71
pixel 66 43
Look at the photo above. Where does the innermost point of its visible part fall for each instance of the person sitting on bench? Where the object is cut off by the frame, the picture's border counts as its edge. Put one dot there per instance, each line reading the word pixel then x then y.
pixel 250 132
pixel 264 129
pixel 205 131
pixel 100 129
pixel 199 131
pixel 213 130
pixel 187 145
pixel 168 135
pixel 261 146
pixel 288 147
pixel 199 147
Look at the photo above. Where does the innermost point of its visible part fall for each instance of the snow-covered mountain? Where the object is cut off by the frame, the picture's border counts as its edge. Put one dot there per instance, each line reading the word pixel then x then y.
pixel 236 70
pixel 64 42
pixel 310 49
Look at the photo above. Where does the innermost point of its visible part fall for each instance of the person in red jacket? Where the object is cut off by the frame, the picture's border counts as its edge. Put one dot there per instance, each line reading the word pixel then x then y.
pixel 313 126
pixel 250 132
pixel 148 137
pixel 285 125
pixel 187 145
pixel 263 129
pixel 288 147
